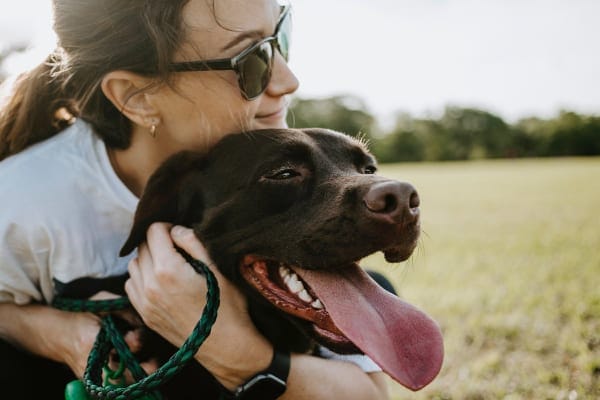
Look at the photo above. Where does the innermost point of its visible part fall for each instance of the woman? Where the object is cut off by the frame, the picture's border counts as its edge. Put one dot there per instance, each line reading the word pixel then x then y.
pixel 69 190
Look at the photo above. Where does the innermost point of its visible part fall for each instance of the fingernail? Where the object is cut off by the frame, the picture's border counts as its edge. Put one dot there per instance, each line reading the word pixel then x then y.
pixel 178 230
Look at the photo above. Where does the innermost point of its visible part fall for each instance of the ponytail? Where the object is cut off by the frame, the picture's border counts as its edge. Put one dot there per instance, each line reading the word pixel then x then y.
pixel 94 38
pixel 37 109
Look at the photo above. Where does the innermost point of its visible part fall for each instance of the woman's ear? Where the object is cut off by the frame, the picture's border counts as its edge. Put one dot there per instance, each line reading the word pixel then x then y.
pixel 128 92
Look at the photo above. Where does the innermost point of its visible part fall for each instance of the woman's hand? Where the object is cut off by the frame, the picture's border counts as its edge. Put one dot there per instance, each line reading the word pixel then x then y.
pixel 79 332
pixel 170 297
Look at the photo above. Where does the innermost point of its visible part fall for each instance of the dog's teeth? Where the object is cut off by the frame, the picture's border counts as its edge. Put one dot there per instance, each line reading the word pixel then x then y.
pixel 304 296
pixel 294 284
pixel 317 304
pixel 290 278
pixel 296 287
pixel 283 272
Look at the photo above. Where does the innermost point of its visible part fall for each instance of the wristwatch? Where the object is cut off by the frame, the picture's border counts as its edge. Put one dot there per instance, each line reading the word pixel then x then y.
pixel 268 384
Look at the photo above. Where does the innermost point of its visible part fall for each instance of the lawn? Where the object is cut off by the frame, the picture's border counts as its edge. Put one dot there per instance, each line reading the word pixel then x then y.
pixel 509 266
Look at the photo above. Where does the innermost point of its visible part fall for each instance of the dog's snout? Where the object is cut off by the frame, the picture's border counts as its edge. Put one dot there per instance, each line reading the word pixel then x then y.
pixel 392 200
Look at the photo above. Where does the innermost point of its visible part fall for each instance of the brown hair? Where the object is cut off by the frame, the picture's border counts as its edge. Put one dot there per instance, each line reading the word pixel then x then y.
pixel 94 38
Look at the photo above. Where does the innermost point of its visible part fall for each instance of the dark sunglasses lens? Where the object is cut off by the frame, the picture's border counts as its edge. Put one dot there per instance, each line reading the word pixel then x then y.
pixel 255 70
pixel 283 36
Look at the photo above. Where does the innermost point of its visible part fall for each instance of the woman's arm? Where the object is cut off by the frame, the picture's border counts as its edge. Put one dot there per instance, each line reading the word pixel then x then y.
pixel 319 378
pixel 170 296
pixel 61 336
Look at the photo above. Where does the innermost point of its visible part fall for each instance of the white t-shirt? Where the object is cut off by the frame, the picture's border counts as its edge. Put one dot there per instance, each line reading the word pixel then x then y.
pixel 65 215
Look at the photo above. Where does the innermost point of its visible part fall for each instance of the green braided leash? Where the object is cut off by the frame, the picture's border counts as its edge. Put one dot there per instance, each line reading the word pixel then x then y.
pixel 109 337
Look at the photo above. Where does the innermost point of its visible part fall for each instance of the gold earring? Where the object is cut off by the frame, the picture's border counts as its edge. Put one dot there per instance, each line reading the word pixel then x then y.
pixel 153 131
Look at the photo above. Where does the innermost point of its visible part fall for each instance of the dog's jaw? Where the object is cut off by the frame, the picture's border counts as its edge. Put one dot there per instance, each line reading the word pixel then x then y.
pixel 354 310
pixel 280 286
pixel 402 251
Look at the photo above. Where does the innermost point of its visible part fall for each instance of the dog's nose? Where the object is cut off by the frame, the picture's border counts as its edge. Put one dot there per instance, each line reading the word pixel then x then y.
pixel 393 201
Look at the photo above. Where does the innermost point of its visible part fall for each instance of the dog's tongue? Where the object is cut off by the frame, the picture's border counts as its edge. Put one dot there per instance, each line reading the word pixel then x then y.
pixel 402 340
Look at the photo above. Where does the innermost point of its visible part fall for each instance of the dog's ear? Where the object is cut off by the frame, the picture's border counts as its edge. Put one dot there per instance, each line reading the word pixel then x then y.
pixel 171 195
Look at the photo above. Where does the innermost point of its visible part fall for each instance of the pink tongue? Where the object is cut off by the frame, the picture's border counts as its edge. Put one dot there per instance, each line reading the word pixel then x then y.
pixel 402 340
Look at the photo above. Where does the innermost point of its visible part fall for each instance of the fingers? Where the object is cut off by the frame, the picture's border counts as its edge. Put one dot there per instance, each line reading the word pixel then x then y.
pixel 158 252
pixel 149 366
pixel 133 340
pixel 114 364
pixel 158 242
pixel 156 264
pixel 104 295
pixel 135 282
pixel 167 293
pixel 187 240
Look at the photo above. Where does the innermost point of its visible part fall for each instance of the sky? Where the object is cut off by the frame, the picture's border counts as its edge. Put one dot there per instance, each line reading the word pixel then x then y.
pixel 515 58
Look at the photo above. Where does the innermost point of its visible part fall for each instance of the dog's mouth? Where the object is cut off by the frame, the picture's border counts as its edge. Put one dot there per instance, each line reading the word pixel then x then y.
pixel 281 286
pixel 350 313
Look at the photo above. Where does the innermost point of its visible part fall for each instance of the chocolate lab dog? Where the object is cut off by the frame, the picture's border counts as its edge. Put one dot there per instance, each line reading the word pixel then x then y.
pixel 286 215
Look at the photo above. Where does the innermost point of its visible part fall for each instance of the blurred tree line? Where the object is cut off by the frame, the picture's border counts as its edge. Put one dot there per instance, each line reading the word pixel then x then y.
pixel 458 134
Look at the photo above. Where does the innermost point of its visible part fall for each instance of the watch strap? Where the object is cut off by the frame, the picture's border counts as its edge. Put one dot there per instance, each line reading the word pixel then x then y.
pixel 280 365
pixel 278 371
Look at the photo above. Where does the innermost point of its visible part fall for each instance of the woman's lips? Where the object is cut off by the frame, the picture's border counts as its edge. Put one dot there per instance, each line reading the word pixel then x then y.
pixel 278 114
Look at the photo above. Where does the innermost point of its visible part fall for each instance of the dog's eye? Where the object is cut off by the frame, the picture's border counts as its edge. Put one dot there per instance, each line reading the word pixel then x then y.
pixel 287 173
pixel 370 170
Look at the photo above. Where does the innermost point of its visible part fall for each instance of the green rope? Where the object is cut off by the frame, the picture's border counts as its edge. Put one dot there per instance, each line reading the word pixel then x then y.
pixel 94 306
pixel 109 337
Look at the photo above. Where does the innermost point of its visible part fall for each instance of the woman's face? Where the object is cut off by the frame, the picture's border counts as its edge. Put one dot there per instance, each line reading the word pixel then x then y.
pixel 203 106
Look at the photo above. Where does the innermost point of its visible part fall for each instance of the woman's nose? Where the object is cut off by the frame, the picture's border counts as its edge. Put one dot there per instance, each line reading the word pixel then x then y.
pixel 283 81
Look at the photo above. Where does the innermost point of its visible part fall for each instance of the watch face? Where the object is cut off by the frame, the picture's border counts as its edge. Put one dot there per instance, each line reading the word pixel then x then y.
pixel 262 387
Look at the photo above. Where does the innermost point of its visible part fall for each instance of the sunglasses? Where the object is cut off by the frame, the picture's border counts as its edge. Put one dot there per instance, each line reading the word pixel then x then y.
pixel 254 65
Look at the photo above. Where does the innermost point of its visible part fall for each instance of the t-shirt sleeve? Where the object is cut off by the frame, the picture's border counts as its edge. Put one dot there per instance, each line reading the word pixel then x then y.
pixel 364 362
pixel 23 254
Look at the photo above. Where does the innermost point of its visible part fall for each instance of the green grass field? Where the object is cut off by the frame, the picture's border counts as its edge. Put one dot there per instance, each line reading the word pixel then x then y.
pixel 509 266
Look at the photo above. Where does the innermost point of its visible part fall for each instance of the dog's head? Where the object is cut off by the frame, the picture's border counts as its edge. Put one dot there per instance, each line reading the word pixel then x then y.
pixel 286 215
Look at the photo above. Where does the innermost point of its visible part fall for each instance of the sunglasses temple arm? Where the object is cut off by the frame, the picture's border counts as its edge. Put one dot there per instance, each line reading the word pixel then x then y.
pixel 217 65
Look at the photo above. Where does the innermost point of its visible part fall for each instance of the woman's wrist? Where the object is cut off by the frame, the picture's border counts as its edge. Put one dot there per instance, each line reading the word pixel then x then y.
pixel 233 364
pixel 25 329
pixel 50 333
